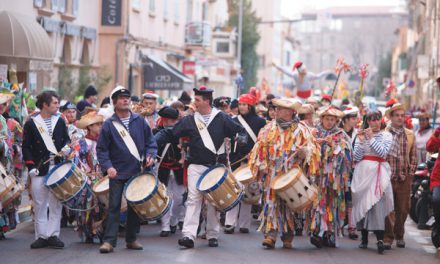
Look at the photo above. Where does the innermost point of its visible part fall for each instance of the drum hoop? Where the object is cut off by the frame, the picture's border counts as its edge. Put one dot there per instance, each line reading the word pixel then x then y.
pixel 153 192
pixel 242 167
pixel 64 178
pixel 295 180
pixel 97 183
pixel 215 186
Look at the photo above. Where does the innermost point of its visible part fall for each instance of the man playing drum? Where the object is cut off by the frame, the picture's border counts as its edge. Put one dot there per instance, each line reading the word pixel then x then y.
pixel 125 144
pixel 207 130
pixel 45 136
pixel 252 123
pixel 282 144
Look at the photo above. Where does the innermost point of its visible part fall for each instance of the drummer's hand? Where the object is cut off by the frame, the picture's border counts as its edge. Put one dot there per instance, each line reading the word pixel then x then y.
pixel 111 172
pixel 34 172
pixel 149 161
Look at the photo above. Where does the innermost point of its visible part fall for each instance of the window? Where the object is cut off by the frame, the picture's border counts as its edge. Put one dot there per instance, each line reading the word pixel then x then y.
pixel 152 6
pixel 54 5
pixel 222 47
pixel 62 6
pixel 165 9
pixel 189 9
pixel 204 11
pixel 39 3
pixel 176 11
pixel 136 4
pixel 75 6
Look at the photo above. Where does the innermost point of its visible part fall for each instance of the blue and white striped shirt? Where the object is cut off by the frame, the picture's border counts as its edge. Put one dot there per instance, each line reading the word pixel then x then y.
pixel 126 121
pixel 379 145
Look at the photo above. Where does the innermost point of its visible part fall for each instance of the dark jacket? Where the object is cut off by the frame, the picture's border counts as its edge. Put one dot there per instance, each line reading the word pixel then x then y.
pixel 172 156
pixel 35 152
pixel 256 123
pixel 112 151
pixel 221 127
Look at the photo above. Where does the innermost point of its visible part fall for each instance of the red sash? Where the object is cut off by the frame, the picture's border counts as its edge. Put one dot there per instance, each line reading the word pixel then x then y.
pixel 378 188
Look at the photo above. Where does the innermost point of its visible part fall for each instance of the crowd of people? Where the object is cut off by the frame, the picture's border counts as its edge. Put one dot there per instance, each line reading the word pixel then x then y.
pixel 354 166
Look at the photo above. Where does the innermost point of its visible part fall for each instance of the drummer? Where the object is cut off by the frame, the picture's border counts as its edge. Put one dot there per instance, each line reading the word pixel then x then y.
pixel 281 144
pixel 170 170
pixel 125 145
pixel 89 222
pixel 45 136
pixel 204 151
pixel 252 123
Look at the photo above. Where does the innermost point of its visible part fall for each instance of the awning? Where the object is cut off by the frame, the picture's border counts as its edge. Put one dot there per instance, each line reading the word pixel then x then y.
pixel 160 75
pixel 23 38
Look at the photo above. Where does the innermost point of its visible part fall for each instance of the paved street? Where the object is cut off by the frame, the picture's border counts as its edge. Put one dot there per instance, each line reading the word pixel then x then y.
pixel 237 248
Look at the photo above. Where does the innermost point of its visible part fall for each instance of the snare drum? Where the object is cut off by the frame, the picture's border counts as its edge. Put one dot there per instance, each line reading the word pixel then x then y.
pixel 66 180
pixel 295 189
pixel 101 189
pixel 7 183
pixel 148 197
pixel 13 194
pixel 220 188
pixel 252 189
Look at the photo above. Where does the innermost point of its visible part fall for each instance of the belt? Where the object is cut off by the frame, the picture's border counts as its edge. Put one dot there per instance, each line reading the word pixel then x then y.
pixel 378 187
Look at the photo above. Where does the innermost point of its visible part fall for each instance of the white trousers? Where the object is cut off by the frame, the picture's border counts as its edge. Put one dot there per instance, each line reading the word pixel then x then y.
pixel 243 213
pixel 173 216
pixel 194 205
pixel 46 225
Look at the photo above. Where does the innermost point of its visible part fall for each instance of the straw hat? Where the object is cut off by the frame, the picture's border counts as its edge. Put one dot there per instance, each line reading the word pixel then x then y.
pixel 395 107
pixel 331 111
pixel 351 110
pixel 306 109
pixel 290 103
pixel 5 97
pixel 90 118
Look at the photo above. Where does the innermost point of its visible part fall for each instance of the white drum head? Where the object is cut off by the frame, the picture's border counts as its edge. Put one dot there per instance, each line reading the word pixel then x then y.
pixel 102 185
pixel 59 173
pixel 212 178
pixel 284 180
pixel 243 174
pixel 140 187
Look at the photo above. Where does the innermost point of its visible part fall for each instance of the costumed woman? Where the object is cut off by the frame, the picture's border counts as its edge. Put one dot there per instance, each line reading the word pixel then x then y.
pixel 332 179
pixel 90 220
pixel 371 186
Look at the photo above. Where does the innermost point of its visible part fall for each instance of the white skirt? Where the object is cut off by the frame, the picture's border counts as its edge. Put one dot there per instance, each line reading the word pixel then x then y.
pixel 367 191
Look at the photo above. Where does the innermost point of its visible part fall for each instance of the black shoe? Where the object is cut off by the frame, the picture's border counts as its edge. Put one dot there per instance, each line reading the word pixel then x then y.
pixel 229 229
pixel 89 240
pixel 39 243
pixel 380 247
pixel 173 229
pixel 165 233
pixel 186 242
pixel 213 242
pixel 55 242
pixel 363 245
pixel 244 230
pixel 316 241
pixel 299 232
pixel 387 246
pixel 180 225
pixel 353 236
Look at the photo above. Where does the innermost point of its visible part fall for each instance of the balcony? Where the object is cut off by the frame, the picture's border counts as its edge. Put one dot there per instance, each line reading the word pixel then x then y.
pixel 198 34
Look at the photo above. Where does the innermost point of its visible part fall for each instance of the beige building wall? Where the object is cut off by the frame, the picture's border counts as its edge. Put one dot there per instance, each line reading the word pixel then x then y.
pixel 69 51
pixel 270 46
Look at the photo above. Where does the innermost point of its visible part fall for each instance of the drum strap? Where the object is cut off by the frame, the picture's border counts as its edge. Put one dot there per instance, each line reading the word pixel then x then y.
pixel 247 127
pixel 204 133
pixel 128 140
pixel 162 156
pixel 42 129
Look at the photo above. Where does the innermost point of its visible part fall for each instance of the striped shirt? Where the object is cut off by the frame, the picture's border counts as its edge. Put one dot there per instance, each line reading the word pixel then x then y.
pixel 206 118
pixel 126 121
pixel 48 122
pixel 379 145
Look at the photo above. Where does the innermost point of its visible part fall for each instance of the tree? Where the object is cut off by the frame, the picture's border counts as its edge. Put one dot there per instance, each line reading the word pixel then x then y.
pixel 250 39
